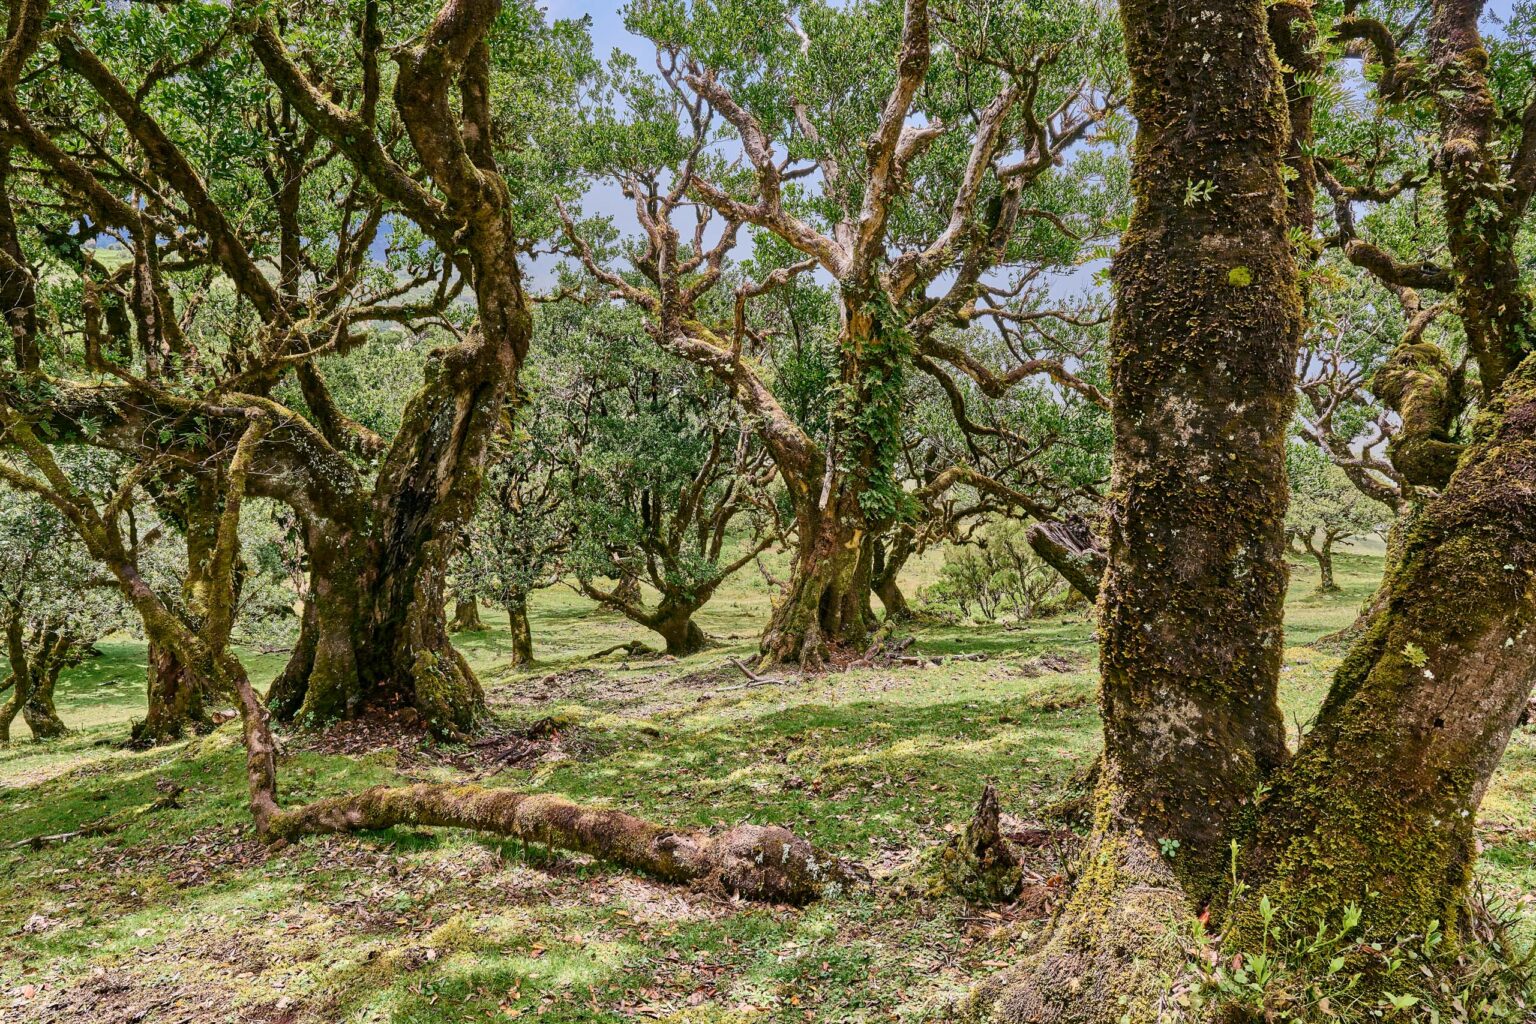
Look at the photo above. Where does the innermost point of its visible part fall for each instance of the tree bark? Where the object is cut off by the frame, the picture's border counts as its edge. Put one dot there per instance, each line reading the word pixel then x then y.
pixel 1325 583
pixel 682 635
pixel 886 564
pixel 752 861
pixel 522 633
pixel 378 635
pixel 39 711
pixel 21 672
pixel 1203 343
pixel 825 604
pixel 177 699
pixel 1070 548
pixel 1323 555
pixel 1207 324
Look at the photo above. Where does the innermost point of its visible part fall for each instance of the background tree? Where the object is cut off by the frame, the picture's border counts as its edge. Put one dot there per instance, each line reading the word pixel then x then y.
pixel 931 171
pixel 1326 508
pixel 369 158
pixel 672 490
pixel 53 608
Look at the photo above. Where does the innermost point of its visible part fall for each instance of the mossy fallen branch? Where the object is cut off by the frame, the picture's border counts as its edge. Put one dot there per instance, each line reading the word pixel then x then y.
pixel 759 862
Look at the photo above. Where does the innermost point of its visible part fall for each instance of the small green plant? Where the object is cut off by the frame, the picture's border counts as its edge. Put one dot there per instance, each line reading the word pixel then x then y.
pixel 1170 847
pixel 1198 191
pixel 1322 972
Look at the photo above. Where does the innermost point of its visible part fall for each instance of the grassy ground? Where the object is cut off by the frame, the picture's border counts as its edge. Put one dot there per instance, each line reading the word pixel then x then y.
pixel 179 916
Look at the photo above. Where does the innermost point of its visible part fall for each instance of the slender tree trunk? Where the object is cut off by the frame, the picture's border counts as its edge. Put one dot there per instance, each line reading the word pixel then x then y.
pixel 286 693
pixel 1325 582
pixel 21 673
pixel 522 633
pixel 885 571
pixel 466 616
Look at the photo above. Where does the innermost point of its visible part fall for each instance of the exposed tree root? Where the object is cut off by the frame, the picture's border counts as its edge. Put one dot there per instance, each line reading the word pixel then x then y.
pixel 753 861
pixel 633 648
pixel 1112 955
pixel 169 792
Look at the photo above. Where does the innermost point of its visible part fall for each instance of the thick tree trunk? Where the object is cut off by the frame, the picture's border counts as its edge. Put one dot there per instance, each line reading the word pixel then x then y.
pixel 522 633
pixel 176 700
pixel 466 616
pixel 369 644
pixel 825 604
pixel 39 711
pixel 1207 323
pixel 1206 326
pixel 1378 806
pixel 682 635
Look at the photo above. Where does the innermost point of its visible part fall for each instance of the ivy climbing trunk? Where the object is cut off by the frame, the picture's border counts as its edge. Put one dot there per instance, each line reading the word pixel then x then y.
pixel 849 494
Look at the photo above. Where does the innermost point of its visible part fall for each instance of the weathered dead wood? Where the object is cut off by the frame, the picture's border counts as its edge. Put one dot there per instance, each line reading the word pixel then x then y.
pixel 760 862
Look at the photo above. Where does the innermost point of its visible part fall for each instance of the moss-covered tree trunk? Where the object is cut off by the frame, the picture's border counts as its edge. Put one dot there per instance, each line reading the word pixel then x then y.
pixel 177 697
pixel 841 502
pixel 886 562
pixel 1379 804
pixel 681 634
pixel 1322 554
pixel 375 632
pixel 39 710
pixel 825 604
pixel 1206 326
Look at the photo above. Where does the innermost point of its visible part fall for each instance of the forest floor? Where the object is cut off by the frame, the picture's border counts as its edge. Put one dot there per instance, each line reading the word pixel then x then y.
pixel 178 915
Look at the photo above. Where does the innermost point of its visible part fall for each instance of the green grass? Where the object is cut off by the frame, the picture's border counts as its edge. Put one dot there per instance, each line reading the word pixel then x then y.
pixel 179 915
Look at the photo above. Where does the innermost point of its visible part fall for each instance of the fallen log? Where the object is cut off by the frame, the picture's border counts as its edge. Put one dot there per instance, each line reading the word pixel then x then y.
pixel 759 862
